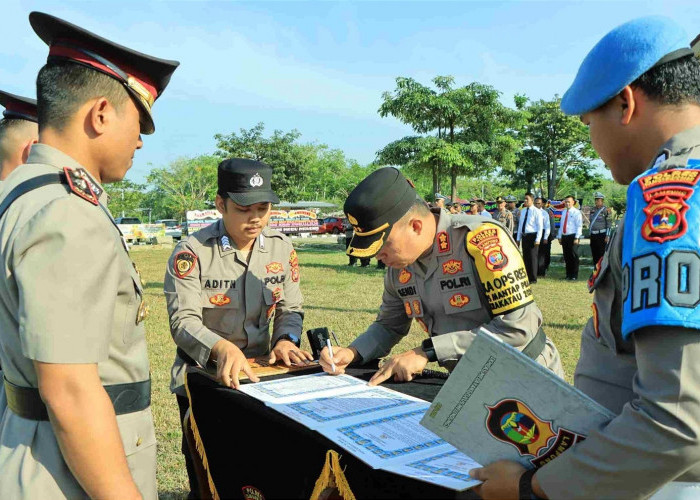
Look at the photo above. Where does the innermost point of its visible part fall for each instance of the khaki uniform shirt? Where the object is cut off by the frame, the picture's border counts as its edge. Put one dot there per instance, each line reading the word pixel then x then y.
pixel 651 380
pixel 68 294
pixel 474 277
pixel 602 222
pixel 505 218
pixel 212 292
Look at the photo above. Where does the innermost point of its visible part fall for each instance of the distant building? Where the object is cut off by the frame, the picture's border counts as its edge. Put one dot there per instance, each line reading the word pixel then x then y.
pixel 695 44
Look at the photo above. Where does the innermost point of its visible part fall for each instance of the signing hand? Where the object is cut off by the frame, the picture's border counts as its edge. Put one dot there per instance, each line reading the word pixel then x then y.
pixel 500 480
pixel 230 360
pixel 289 353
pixel 403 367
pixel 342 357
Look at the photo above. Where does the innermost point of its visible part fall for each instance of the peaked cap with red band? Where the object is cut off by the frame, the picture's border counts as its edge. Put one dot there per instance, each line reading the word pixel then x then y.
pixel 18 107
pixel 144 77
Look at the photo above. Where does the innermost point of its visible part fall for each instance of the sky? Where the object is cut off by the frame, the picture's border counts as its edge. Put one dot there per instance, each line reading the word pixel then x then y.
pixel 321 67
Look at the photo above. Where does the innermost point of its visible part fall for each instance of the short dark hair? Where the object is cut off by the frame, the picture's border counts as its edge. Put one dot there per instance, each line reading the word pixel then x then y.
pixel 676 82
pixel 11 129
pixel 530 195
pixel 62 87
pixel 570 196
pixel 540 198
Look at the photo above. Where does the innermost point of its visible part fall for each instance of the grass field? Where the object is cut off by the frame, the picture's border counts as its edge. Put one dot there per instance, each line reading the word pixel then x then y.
pixel 343 298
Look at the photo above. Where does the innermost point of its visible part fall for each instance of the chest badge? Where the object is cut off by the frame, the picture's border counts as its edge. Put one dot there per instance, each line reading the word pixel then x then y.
pixel 459 300
pixel 220 299
pixel 274 268
pixel 405 276
pixel 142 312
pixel 452 266
pixel 184 264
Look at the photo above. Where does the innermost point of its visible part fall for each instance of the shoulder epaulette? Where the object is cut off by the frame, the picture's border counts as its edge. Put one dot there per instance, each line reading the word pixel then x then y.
pixel 80 184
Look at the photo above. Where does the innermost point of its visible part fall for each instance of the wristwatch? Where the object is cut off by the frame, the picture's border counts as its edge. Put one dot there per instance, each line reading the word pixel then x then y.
pixel 429 350
pixel 525 486
pixel 294 339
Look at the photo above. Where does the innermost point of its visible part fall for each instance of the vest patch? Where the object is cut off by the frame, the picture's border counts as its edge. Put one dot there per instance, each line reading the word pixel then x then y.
pixel 214 283
pixel 275 280
pixel 407 290
pixel 183 263
pixel 454 283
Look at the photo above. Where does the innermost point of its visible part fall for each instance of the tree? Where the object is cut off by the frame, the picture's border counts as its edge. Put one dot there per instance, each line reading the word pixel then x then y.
pixel 280 150
pixel 185 184
pixel 126 198
pixel 557 146
pixel 469 130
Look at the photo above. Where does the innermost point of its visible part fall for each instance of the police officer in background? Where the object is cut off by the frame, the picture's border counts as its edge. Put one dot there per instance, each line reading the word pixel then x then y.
pixel 640 350
pixel 18 131
pixel 510 205
pixel 569 236
pixel 545 249
pixel 504 216
pixel 232 288
pixel 600 227
pixel 78 421
pixel 446 272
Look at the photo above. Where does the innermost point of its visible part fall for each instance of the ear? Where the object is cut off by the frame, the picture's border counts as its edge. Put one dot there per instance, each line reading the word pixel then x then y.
pixel 100 115
pixel 27 149
pixel 416 225
pixel 220 204
pixel 628 104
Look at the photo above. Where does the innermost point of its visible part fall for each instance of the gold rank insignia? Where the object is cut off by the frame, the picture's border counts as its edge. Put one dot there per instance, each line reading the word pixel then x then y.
pixel 405 276
pixel 142 312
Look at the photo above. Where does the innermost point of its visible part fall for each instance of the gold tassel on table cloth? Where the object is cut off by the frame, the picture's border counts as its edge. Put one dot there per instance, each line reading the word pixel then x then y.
pixel 332 482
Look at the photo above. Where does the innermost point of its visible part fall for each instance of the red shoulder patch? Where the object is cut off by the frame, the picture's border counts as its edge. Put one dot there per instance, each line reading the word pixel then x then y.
pixel 80 184
pixel 184 263
pixel 443 241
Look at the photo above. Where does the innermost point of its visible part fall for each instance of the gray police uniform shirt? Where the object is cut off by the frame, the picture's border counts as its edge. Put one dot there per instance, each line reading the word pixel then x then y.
pixel 473 277
pixel 68 294
pixel 213 293
pixel 601 223
pixel 651 380
pixel 506 219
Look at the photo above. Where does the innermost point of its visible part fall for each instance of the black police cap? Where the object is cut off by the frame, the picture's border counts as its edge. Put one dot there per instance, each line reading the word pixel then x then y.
pixel 144 77
pixel 374 206
pixel 18 107
pixel 246 181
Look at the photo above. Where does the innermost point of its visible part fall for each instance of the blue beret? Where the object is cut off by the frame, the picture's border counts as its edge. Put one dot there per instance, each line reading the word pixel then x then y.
pixel 619 58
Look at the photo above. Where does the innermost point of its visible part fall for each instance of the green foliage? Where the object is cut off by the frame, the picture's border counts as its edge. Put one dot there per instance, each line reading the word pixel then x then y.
pixel 185 184
pixel 126 198
pixel 465 130
pixel 557 149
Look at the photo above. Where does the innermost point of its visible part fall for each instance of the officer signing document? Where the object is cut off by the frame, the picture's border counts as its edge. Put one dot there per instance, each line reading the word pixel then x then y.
pixel 449 273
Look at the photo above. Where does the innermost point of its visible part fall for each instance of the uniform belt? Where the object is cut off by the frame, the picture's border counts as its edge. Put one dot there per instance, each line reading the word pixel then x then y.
pixel 602 231
pixel 535 347
pixel 126 398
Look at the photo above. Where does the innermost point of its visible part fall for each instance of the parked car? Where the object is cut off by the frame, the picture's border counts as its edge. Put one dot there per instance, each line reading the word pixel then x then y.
pixel 330 225
pixel 172 228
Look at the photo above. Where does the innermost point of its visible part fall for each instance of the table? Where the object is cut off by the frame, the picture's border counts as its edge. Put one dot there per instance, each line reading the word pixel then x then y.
pixel 249 446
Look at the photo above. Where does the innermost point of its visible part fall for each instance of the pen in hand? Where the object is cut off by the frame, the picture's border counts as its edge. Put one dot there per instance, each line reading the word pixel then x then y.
pixel 330 351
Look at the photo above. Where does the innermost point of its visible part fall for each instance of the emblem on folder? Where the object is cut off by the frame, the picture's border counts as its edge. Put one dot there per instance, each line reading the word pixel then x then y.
pixel 513 422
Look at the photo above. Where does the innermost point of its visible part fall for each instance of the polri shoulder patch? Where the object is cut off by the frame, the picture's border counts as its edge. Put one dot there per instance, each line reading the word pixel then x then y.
pixel 80 184
pixel 184 263
pixel 500 267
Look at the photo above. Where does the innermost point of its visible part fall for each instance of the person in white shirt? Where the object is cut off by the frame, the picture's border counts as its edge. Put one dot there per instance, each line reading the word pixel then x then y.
pixel 482 209
pixel 530 229
pixel 543 255
pixel 569 236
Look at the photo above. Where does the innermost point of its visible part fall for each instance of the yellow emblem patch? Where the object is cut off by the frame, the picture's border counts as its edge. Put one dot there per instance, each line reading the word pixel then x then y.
pixel 500 267
pixel 404 276
pixel 220 299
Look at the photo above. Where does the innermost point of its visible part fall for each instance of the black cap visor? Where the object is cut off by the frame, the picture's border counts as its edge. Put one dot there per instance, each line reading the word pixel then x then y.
pixel 248 198
pixel 369 244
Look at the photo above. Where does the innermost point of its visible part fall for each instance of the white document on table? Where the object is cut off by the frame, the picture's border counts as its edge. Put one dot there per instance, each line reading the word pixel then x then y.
pixel 292 389
pixel 369 402
pixel 449 469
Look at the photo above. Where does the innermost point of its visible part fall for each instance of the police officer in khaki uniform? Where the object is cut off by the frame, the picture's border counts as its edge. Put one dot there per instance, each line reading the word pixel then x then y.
pixel 600 227
pixel 232 288
pixel 640 350
pixel 512 208
pixel 78 421
pixel 449 273
pixel 18 131
pixel 503 215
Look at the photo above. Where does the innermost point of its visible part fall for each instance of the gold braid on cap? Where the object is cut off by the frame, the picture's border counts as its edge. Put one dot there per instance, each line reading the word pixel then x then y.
pixel 369 251
pixel 373 231
pixel 143 95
